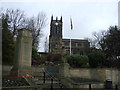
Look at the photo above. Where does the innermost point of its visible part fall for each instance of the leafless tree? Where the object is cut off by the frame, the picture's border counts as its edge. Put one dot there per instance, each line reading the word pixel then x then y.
pixel 18 20
pixel 98 39
pixel 46 45
pixel 36 24
pixel 15 17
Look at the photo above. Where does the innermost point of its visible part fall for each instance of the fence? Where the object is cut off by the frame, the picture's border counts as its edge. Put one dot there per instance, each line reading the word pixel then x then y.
pixel 48 81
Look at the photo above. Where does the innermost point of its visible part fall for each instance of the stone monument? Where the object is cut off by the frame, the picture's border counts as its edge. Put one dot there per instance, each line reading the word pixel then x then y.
pixel 23 52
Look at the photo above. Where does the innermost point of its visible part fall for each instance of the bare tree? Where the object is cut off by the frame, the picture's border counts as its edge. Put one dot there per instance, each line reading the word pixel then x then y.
pixel 46 45
pixel 16 19
pixel 92 43
pixel 36 24
pixel 98 39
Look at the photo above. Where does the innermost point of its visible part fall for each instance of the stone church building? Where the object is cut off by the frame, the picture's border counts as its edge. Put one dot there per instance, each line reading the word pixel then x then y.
pixel 58 45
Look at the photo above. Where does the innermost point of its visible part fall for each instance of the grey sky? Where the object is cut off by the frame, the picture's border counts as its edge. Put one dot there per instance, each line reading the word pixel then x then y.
pixel 119 14
pixel 87 16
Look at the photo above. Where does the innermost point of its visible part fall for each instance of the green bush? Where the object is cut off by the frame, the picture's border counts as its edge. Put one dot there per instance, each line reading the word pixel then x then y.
pixel 77 60
pixel 8 44
pixel 96 59
pixel 35 56
pixel 34 52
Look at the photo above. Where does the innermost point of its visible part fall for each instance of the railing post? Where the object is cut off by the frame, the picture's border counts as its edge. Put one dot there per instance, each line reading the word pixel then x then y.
pixel 59 82
pixel 43 77
pixel 89 86
pixel 60 85
pixel 116 87
pixel 51 84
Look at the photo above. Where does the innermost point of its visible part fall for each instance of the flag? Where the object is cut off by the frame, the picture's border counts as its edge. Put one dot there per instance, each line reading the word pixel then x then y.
pixel 71 24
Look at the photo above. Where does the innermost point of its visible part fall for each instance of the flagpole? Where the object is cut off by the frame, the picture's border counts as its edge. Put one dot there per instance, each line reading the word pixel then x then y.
pixel 70 35
pixel 70 46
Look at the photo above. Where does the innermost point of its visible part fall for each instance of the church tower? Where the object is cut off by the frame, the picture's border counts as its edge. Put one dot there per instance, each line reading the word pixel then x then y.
pixel 55 38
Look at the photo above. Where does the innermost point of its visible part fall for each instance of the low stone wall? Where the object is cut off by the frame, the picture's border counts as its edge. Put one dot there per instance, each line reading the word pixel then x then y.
pixel 95 85
pixel 6 69
pixel 34 70
pixel 72 84
pixel 101 74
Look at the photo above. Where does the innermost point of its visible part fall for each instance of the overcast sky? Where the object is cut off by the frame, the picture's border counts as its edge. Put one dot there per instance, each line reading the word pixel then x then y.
pixel 88 16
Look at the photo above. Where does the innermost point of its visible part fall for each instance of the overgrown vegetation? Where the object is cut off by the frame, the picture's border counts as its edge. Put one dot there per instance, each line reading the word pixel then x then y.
pixel 8 44
pixel 77 60
pixel 93 60
pixel 108 42
pixel 35 56
pixel 96 59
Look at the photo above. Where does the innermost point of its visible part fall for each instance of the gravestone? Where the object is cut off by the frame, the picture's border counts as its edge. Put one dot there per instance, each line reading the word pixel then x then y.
pixel 23 51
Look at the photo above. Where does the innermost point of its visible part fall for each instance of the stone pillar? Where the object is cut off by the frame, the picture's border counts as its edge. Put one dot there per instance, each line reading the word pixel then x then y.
pixel 23 51
pixel 64 70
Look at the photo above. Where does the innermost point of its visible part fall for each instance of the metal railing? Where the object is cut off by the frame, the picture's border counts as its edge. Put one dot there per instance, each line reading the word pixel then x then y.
pixel 44 77
pixel 52 78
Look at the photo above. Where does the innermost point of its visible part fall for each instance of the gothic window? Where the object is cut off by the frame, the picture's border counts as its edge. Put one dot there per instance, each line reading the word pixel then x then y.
pixel 83 44
pixel 57 31
pixel 74 51
pixel 76 44
pixel 67 51
pixel 54 31
pixel 73 44
pixel 56 44
pixel 66 43
pixel 79 44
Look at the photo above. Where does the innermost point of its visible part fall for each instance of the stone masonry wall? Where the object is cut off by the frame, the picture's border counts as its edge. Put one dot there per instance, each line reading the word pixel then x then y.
pixel 101 74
